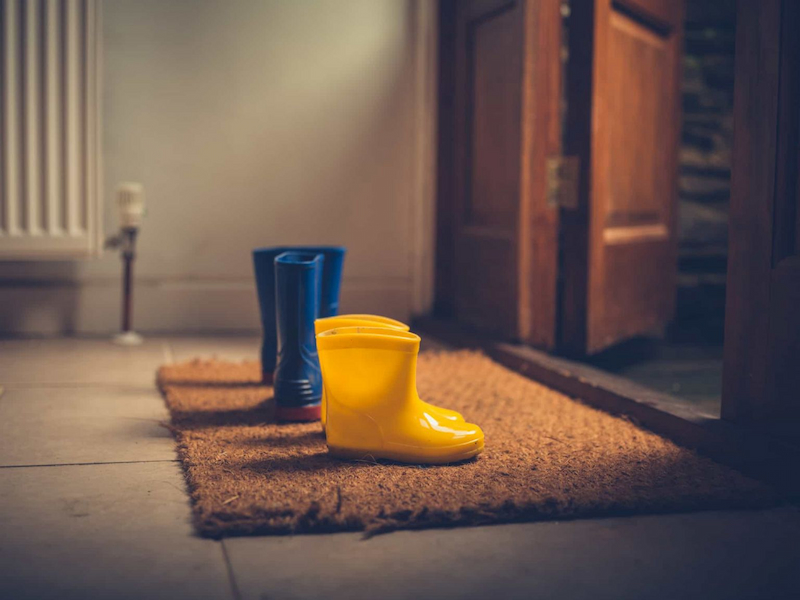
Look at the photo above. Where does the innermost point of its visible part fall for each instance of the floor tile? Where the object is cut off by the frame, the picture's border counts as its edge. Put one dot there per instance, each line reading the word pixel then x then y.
pixel 725 555
pixel 225 348
pixel 78 361
pixel 103 531
pixel 57 425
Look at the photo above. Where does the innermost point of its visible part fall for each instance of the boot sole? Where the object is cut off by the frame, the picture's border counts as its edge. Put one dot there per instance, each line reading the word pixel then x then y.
pixel 442 456
pixel 291 414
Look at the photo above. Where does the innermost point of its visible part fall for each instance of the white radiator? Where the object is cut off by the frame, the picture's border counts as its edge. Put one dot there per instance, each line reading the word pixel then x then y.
pixel 49 129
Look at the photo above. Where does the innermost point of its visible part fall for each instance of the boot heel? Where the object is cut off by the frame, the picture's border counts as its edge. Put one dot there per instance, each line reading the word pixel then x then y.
pixel 288 414
pixel 350 454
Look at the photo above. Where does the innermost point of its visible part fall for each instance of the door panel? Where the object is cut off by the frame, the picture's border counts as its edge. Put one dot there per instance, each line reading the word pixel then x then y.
pixel 489 84
pixel 623 121
pixel 638 187
pixel 493 75
pixel 497 235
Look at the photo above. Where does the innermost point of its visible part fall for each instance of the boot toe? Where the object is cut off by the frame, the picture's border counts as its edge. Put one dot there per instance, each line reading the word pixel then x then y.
pixel 439 443
pixel 444 413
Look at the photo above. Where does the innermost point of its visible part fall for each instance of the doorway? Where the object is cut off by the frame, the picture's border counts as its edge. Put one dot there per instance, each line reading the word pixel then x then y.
pixel 686 361
pixel 653 302
pixel 623 266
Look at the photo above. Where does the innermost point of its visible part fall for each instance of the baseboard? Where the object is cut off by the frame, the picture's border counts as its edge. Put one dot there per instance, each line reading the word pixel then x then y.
pixel 93 308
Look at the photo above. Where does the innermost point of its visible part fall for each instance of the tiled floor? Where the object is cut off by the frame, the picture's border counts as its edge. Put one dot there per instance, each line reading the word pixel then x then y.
pixel 93 505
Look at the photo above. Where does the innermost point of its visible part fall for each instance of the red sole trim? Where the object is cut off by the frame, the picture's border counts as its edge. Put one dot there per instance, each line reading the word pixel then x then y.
pixel 298 413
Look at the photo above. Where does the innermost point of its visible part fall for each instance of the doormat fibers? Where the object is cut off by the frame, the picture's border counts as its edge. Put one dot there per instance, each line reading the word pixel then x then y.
pixel 547 457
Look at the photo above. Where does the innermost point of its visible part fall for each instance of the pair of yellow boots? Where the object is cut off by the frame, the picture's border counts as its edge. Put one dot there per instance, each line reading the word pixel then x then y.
pixel 370 405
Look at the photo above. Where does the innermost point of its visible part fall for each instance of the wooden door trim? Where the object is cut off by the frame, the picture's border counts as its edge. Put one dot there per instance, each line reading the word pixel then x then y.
pixel 764 175
pixel 756 79
pixel 423 202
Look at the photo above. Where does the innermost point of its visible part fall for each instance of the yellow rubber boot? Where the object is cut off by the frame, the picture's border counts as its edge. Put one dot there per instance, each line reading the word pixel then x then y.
pixel 363 320
pixel 372 402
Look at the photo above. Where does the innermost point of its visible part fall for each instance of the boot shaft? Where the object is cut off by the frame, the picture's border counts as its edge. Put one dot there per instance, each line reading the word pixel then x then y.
pixel 298 380
pixel 264 267
pixel 357 320
pixel 369 368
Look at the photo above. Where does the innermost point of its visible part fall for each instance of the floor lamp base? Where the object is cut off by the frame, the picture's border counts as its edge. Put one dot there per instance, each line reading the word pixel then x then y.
pixel 128 338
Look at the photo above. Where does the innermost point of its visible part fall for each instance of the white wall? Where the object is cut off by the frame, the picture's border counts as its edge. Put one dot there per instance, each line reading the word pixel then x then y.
pixel 250 123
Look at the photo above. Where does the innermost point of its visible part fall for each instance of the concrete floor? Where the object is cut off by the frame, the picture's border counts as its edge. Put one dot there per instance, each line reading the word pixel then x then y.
pixel 93 505
pixel 689 371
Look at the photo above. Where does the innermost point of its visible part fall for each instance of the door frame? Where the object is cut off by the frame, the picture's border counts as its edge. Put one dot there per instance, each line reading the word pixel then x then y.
pixel 762 265
pixel 425 23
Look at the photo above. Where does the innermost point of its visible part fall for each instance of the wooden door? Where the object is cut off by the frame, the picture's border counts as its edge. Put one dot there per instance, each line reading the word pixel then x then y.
pixel 619 254
pixel 499 122
pixel 761 376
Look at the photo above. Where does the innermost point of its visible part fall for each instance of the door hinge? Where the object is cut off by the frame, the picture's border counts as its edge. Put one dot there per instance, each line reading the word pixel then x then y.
pixel 563 176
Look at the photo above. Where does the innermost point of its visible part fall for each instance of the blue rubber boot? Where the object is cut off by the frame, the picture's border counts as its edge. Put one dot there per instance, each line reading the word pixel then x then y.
pixel 264 265
pixel 298 379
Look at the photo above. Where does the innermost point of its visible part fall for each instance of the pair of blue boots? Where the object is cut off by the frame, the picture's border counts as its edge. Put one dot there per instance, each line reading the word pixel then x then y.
pixel 296 286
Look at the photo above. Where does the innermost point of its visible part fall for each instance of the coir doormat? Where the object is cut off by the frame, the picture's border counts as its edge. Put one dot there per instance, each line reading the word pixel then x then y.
pixel 547 456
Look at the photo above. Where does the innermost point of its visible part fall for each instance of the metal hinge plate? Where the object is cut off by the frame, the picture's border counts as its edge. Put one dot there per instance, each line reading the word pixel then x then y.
pixel 563 176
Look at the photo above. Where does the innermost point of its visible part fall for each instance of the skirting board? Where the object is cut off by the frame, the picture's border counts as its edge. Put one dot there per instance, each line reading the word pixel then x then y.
pixel 93 308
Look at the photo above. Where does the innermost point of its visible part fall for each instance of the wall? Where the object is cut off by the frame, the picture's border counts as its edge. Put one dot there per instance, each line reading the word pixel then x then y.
pixel 705 170
pixel 250 123
pixel 707 139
